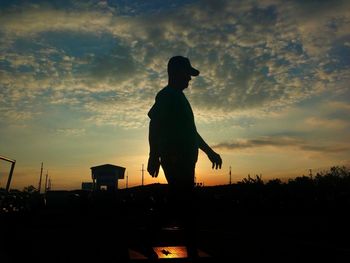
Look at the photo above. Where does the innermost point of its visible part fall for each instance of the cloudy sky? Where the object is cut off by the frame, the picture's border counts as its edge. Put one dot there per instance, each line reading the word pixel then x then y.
pixel 77 79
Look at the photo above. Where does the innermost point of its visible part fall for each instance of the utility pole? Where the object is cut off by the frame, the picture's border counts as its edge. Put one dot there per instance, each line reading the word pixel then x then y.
pixel 310 173
pixel 47 174
pixel 41 175
pixel 127 180
pixel 49 185
pixel 142 170
pixel 230 176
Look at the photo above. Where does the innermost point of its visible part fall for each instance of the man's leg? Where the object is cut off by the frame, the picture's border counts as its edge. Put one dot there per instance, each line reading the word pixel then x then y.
pixel 180 177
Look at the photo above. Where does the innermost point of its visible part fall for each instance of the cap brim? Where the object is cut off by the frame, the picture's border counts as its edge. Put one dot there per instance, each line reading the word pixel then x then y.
pixel 194 72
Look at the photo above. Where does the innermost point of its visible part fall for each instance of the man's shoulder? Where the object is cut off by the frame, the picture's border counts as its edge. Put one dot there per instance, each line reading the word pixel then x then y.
pixel 166 90
pixel 163 101
pixel 165 93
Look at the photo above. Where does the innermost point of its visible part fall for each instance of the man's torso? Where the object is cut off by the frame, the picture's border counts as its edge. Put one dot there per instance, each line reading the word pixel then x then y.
pixel 177 131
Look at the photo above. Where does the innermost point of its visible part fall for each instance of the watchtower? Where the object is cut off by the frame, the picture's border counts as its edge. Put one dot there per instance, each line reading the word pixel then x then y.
pixel 106 176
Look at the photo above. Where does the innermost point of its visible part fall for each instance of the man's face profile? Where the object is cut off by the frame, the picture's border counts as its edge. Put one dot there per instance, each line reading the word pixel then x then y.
pixel 182 79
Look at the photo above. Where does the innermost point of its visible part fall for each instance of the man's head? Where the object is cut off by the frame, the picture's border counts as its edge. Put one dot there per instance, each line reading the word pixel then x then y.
pixel 180 71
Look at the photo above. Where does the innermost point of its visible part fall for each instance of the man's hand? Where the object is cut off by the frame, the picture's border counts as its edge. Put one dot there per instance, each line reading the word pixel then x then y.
pixel 215 159
pixel 213 156
pixel 153 166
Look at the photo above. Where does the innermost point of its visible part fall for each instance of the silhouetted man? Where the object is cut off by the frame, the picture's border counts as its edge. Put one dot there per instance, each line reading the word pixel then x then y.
pixel 174 140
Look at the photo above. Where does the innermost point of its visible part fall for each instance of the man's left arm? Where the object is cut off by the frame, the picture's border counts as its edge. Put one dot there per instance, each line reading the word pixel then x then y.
pixel 213 156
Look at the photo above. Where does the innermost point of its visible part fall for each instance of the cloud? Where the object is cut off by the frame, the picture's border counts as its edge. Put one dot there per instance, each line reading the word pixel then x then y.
pixel 321 123
pixel 116 66
pixel 16 115
pixel 31 20
pixel 322 23
pixel 339 106
pixel 253 56
pixel 283 142
pixel 71 131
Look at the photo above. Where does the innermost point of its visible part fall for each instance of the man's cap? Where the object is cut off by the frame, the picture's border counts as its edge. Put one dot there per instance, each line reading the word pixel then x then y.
pixel 180 63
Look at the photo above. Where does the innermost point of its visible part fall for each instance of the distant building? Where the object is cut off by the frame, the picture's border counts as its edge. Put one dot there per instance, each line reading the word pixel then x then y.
pixel 106 177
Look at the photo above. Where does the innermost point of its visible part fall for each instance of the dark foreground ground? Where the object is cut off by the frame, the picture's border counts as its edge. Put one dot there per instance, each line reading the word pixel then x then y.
pixel 80 227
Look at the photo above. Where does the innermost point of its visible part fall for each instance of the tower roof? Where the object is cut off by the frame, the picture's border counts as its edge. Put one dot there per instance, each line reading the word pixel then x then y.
pixel 107 170
pixel 106 166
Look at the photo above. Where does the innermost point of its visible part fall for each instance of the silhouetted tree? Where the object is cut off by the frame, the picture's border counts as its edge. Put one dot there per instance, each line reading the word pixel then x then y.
pixel 29 189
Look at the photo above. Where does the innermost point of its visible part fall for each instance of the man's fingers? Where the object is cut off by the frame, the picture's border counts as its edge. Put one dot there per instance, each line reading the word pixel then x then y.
pixel 216 161
pixel 151 171
pixel 154 173
pixel 217 164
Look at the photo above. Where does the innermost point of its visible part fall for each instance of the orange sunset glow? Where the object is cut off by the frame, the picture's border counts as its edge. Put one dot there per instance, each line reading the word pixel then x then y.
pixel 77 80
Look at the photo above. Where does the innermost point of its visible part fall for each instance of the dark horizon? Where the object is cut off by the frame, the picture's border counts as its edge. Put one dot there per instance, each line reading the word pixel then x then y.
pixel 305 219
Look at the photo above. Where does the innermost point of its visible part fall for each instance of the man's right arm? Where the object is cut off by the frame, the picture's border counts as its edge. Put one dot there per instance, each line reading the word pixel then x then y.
pixel 153 159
